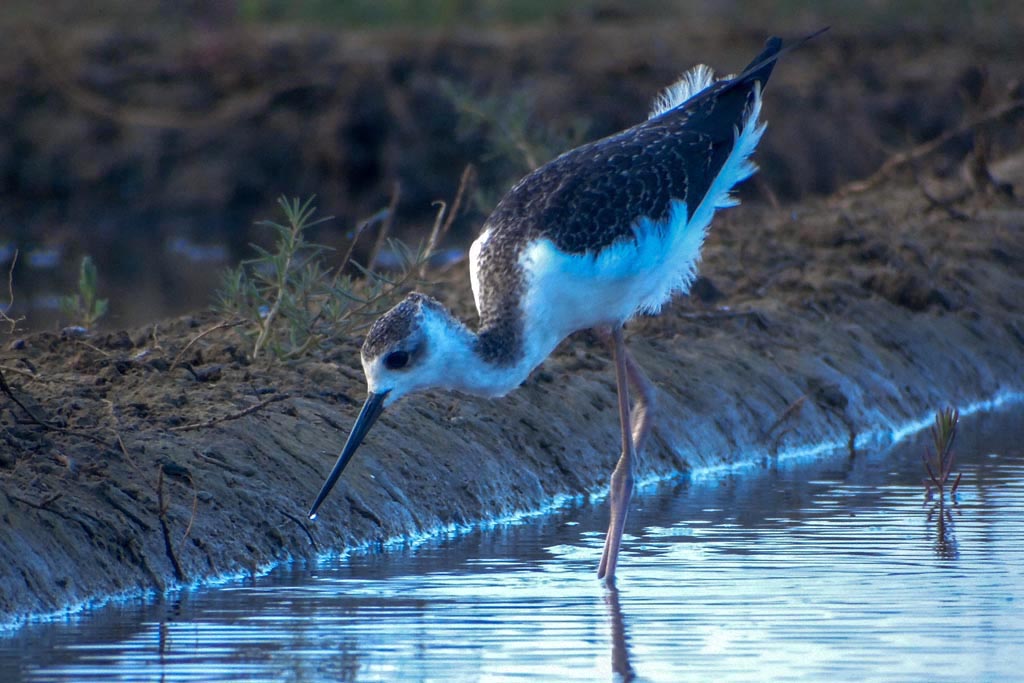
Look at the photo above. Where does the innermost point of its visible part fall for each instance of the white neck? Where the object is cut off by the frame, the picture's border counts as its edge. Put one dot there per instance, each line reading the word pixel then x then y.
pixel 457 363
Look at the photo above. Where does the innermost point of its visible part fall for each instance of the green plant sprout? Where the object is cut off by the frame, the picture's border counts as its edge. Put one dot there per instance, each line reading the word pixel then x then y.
pixel 939 464
pixel 83 307
pixel 292 304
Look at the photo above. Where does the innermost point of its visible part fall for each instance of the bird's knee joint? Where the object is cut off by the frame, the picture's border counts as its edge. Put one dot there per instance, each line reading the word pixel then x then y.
pixel 622 478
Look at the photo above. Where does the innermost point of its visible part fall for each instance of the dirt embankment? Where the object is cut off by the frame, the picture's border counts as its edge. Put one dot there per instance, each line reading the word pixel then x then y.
pixel 123 471
pixel 136 460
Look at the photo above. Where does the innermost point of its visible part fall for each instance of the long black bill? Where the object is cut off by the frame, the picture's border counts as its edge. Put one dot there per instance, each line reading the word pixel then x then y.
pixel 372 409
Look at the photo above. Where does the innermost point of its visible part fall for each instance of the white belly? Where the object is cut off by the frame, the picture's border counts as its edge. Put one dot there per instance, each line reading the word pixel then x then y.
pixel 568 292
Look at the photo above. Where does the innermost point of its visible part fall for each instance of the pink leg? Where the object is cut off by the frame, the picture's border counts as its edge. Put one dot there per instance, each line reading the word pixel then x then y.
pixel 622 477
pixel 645 402
pixel 635 429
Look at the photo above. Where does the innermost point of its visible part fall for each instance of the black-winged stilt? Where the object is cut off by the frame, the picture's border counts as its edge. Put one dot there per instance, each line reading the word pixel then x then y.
pixel 608 230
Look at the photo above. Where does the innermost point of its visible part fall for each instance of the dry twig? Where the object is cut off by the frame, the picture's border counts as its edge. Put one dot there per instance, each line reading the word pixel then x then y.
pixel 441 229
pixel 41 505
pixel 363 227
pixel 6 389
pixel 4 318
pixel 219 326
pixel 231 416
pixel 195 507
pixel 792 410
pixel 165 527
pixel 316 546
pixel 19 371
pixel 385 227
pixel 903 158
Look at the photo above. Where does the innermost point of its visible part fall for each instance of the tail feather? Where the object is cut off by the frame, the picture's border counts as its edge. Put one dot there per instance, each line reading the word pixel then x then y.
pixel 699 79
pixel 689 84
pixel 761 66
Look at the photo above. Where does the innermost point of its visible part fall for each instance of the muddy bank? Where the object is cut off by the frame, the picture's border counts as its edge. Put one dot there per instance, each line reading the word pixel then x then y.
pixel 123 471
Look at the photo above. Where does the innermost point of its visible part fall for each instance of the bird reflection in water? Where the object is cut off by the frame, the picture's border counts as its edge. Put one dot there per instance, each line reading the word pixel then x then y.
pixel 621 666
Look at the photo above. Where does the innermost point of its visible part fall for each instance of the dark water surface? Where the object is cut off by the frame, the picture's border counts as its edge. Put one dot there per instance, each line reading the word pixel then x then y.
pixel 832 569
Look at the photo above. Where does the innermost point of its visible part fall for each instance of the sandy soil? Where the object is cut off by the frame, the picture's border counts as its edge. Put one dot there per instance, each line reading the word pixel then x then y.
pixel 142 459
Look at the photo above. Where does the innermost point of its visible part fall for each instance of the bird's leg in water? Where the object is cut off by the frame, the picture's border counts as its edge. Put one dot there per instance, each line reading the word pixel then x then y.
pixel 639 428
pixel 622 477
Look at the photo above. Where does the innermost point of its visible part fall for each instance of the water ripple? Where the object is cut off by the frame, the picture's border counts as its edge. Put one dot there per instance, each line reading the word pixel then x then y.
pixel 835 569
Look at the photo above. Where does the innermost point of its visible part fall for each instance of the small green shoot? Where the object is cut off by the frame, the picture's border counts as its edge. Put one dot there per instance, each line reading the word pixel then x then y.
pixel 939 464
pixel 292 303
pixel 84 307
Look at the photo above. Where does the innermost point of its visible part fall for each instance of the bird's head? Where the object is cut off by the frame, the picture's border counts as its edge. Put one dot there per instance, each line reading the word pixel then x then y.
pixel 406 350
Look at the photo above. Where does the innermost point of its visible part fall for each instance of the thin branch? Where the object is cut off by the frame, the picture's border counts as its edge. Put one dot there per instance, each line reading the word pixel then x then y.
pixel 116 428
pixel 13 322
pixel 41 505
pixel 165 526
pixel 231 416
pixel 385 226
pixel 437 235
pixel 156 340
pixel 381 215
pixel 220 326
pixel 6 389
pixel 93 347
pixel 195 506
pixel 316 546
pixel 468 175
pixel 903 158
pixel 790 411
pixel 434 232
pixel 19 371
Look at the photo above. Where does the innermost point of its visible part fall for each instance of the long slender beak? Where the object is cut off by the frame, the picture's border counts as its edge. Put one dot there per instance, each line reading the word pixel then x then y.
pixel 372 409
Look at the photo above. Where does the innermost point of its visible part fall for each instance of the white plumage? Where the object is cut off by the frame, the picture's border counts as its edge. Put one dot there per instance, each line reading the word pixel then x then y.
pixel 689 84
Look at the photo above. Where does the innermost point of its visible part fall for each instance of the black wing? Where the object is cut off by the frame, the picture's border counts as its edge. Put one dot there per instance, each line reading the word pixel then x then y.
pixel 592 196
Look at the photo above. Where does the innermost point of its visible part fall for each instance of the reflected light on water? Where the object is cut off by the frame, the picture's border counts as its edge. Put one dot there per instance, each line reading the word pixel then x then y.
pixel 828 570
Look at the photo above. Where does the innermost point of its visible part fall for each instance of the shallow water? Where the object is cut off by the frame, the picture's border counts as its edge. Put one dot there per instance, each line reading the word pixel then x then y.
pixel 833 569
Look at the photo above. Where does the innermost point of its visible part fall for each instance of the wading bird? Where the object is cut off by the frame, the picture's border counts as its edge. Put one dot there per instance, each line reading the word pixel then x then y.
pixel 603 232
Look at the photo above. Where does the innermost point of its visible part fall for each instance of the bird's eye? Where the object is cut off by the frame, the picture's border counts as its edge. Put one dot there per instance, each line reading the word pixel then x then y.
pixel 396 360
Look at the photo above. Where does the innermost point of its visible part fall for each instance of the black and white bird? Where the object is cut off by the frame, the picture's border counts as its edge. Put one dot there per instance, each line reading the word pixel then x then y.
pixel 604 232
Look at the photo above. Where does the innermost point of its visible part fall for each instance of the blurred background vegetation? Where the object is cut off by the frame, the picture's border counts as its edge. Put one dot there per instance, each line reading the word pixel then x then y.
pixel 151 135
pixel 449 13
